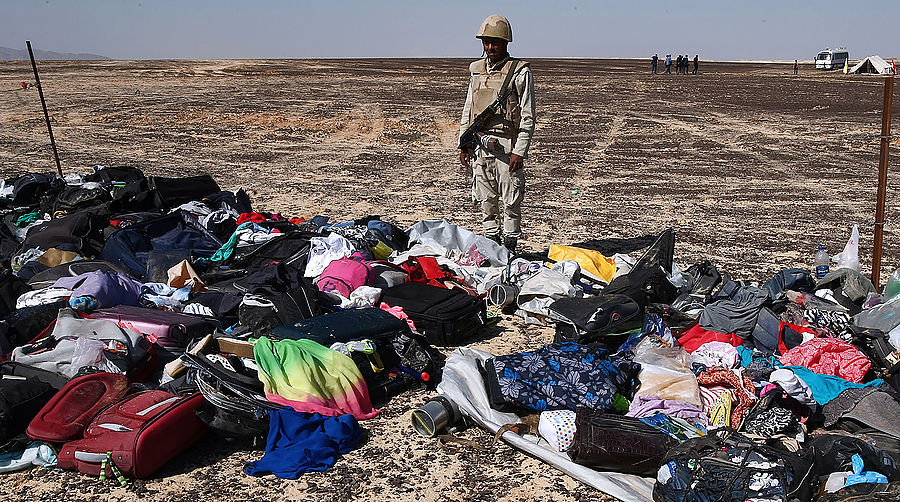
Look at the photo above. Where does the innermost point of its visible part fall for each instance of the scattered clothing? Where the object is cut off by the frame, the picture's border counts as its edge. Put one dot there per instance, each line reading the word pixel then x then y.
pixel 561 376
pixel 37 453
pixel 304 442
pixel 309 377
pixel 829 356
pixel 647 406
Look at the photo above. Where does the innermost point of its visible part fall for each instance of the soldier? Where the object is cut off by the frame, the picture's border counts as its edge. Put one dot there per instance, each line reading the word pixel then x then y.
pixel 499 154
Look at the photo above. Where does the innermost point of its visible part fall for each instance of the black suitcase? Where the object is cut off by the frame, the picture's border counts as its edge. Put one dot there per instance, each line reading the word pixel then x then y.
pixel 344 326
pixel 172 192
pixel 23 392
pixel 446 317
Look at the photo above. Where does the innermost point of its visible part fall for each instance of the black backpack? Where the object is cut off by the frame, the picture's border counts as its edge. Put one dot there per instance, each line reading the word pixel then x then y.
pixel 83 230
pixel 276 295
pixel 28 189
pixel 11 287
pixel 76 198
pixel 23 392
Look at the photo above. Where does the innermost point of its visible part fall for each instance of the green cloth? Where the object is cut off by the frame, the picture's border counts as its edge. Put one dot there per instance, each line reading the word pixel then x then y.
pixel 27 219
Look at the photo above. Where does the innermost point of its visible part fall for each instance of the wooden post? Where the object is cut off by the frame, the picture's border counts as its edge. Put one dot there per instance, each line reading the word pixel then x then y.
pixel 37 82
pixel 882 179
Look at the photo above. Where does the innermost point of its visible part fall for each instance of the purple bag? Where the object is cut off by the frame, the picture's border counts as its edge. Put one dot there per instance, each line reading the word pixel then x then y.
pixel 344 275
pixel 108 288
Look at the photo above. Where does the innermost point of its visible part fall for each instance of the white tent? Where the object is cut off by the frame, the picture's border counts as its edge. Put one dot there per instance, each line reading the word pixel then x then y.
pixel 873 64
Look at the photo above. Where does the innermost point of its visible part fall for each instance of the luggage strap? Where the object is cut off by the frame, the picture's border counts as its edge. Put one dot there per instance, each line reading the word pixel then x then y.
pixel 108 461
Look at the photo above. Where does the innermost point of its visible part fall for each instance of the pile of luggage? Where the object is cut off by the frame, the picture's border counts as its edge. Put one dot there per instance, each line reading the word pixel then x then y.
pixel 715 389
pixel 138 313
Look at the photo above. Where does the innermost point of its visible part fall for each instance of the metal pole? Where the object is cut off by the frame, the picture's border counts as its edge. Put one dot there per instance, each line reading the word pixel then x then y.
pixel 37 82
pixel 882 178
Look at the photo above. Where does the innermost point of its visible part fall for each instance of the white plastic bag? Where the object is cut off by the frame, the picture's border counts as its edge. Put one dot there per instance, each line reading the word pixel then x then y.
pixel 88 352
pixel 666 373
pixel 849 257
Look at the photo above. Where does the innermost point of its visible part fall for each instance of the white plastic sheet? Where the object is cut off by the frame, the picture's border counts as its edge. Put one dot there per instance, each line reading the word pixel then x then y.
pixel 462 384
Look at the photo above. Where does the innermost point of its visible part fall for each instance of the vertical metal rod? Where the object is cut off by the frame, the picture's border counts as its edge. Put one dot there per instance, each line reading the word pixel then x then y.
pixel 882 178
pixel 37 82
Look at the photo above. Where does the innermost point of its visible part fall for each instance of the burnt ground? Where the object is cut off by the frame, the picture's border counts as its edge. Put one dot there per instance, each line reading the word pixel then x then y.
pixel 752 166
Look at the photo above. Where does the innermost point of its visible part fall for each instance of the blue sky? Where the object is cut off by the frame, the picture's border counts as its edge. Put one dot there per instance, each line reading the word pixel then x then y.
pixel 206 29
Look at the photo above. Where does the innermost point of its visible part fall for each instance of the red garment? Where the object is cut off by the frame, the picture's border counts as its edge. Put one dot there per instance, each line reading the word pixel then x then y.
pixel 829 356
pixel 741 387
pixel 254 217
pixel 697 336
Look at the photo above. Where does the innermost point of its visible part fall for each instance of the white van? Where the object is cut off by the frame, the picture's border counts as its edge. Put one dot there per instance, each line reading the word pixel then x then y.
pixel 832 59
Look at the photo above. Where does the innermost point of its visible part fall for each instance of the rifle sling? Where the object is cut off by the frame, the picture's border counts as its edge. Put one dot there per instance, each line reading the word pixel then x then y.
pixel 509 76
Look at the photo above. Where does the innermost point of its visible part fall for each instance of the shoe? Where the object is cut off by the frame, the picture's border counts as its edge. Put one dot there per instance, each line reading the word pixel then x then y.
pixel 496 238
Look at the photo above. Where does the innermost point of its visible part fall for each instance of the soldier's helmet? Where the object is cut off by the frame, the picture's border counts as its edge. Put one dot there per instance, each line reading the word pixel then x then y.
pixel 495 26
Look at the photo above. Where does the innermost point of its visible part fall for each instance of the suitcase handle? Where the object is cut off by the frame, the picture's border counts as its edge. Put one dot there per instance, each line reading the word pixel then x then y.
pixel 93 458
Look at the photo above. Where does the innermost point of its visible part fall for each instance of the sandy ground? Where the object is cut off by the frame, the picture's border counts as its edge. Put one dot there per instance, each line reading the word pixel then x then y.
pixel 752 166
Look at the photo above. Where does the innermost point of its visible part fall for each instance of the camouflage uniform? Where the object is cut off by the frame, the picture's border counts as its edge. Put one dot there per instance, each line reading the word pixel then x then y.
pixel 510 131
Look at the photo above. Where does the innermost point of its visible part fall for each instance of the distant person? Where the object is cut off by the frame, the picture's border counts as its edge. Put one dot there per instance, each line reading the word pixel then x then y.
pixel 696 63
pixel 678 65
pixel 498 154
pixel 668 63
pixel 654 62
pixel 796 67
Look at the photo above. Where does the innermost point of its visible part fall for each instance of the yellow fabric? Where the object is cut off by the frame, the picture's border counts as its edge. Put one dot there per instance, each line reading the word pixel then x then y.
pixel 381 251
pixel 591 261
pixel 53 257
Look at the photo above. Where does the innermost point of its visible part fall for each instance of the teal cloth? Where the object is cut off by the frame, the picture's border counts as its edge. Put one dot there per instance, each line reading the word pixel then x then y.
pixel 827 387
pixel 749 355
pixel 27 219
pixel 227 249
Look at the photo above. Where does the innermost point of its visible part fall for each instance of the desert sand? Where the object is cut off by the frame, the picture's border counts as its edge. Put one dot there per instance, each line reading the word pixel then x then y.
pixel 752 166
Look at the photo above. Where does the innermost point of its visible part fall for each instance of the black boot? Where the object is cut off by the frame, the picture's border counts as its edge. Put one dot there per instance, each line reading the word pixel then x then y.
pixel 510 244
pixel 496 238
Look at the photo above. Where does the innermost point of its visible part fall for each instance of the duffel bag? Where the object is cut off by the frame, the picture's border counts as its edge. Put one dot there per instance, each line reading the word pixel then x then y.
pixel 728 467
pixel 609 442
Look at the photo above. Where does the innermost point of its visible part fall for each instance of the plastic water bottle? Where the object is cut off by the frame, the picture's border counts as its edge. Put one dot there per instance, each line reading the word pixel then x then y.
pixel 892 288
pixel 821 262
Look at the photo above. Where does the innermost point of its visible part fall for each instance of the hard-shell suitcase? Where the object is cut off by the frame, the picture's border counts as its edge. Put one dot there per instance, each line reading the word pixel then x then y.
pixel 142 432
pixel 164 328
pixel 70 410
pixel 446 317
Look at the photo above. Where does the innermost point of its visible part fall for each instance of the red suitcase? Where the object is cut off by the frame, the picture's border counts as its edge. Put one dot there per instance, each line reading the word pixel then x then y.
pixel 142 431
pixel 71 409
pixel 164 328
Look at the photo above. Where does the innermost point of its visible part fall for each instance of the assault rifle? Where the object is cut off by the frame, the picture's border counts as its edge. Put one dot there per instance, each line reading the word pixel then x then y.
pixel 469 138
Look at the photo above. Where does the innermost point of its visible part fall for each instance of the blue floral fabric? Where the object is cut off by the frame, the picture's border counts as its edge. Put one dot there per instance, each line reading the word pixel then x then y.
pixel 564 376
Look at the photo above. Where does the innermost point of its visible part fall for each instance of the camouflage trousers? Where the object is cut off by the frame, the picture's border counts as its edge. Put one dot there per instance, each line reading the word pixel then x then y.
pixel 499 193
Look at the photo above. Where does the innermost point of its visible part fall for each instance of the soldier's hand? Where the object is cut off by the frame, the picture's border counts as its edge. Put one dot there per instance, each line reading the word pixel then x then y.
pixel 465 157
pixel 516 162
